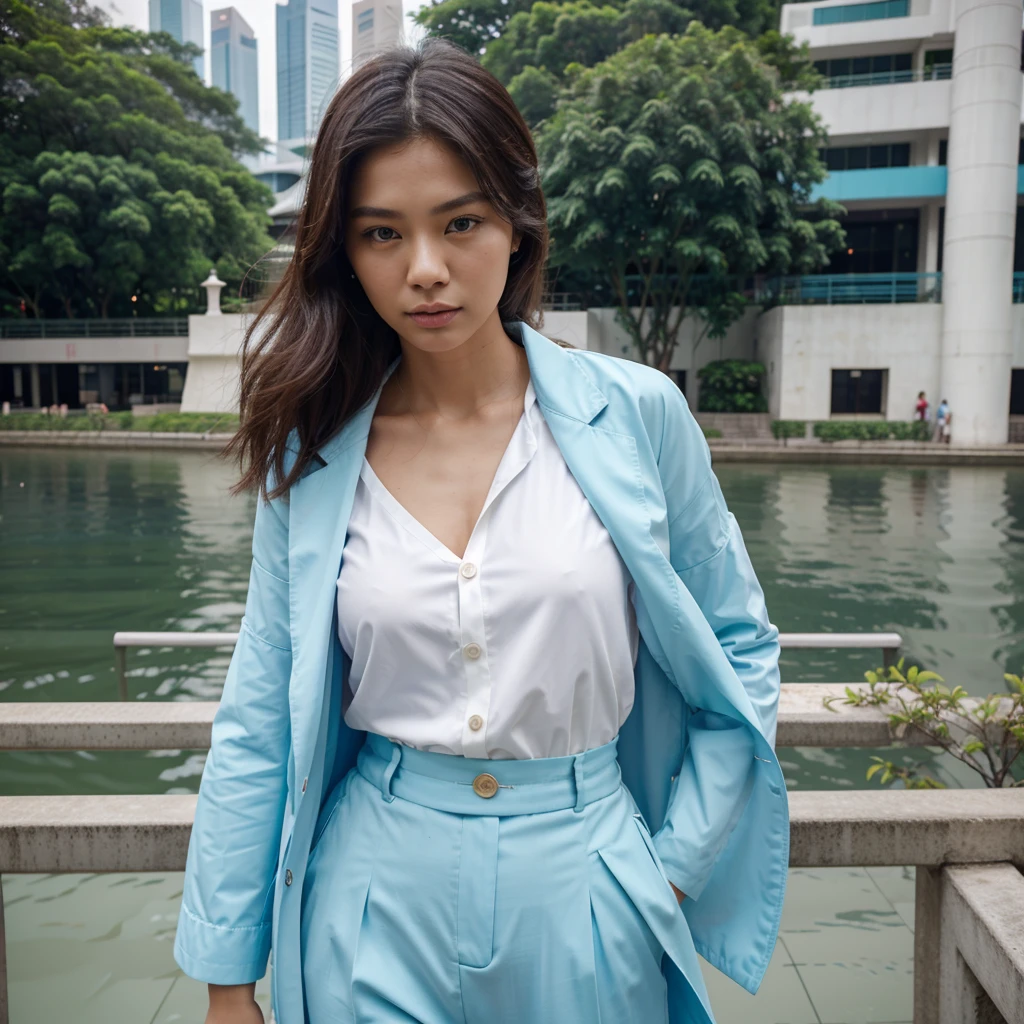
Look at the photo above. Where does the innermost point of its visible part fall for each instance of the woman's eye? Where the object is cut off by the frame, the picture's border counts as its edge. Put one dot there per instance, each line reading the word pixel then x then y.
pixel 467 221
pixel 373 236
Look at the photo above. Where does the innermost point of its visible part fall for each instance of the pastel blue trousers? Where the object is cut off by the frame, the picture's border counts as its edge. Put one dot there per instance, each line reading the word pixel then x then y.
pixel 427 900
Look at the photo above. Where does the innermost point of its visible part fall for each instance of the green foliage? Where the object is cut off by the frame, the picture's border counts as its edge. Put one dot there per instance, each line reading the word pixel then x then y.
pixel 783 429
pixel 678 162
pixel 986 733
pixel 476 25
pixel 872 430
pixel 731 385
pixel 711 433
pixel 171 422
pixel 118 170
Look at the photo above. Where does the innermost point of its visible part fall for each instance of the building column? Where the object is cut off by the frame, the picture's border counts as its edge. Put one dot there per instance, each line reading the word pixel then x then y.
pixel 34 390
pixel 981 200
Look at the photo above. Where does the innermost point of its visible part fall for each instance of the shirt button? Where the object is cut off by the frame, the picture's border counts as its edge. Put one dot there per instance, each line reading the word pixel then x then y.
pixel 288 877
pixel 468 570
pixel 472 650
pixel 475 723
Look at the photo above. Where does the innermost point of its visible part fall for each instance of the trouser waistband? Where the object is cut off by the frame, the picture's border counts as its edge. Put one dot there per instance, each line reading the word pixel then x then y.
pixel 468 785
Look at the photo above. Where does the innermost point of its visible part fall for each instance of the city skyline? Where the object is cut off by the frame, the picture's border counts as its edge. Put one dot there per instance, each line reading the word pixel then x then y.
pixel 261 15
pixel 234 61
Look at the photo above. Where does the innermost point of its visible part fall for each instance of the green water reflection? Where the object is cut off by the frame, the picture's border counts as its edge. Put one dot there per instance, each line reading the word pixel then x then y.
pixel 91 542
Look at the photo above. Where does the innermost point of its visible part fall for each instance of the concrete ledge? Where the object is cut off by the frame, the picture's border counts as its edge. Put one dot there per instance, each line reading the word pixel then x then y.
pixel 113 439
pixel 983 921
pixel 829 829
pixel 866 828
pixel 185 725
pixel 867 453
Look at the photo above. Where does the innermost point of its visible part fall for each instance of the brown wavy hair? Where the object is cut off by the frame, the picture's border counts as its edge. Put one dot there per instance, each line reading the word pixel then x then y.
pixel 317 350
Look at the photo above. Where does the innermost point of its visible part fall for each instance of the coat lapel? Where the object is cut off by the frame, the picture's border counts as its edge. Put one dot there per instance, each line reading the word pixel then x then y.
pixel 321 505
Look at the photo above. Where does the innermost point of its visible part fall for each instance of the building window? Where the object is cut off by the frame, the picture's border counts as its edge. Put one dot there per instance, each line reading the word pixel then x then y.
pixel 943 152
pixel 883 69
pixel 1017 392
pixel 248 42
pixel 861 12
pixel 938 65
pixel 219 35
pixel 853 158
pixel 877 244
pixel 857 391
pixel 364 21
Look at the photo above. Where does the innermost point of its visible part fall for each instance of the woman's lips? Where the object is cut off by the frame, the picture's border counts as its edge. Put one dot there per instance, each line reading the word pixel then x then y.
pixel 439 319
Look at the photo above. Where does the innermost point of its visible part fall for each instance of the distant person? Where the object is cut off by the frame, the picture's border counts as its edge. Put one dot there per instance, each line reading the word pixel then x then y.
pixel 947 426
pixel 921 409
pixel 941 417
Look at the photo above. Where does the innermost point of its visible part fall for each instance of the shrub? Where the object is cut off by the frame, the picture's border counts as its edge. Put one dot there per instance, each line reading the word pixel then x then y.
pixel 711 432
pixel 731 385
pixel 986 733
pixel 873 430
pixel 782 429
pixel 181 422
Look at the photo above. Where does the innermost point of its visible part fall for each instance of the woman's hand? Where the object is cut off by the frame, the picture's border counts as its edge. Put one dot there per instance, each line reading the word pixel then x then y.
pixel 234 1004
pixel 680 896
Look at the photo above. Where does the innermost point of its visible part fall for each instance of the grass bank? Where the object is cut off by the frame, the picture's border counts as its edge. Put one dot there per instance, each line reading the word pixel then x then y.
pixel 163 423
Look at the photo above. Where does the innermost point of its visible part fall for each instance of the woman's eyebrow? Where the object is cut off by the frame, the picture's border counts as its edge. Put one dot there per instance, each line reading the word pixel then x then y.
pixel 451 204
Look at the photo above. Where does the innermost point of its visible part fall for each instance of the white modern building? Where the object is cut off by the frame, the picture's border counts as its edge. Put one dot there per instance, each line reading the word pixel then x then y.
pixel 182 19
pixel 234 62
pixel 376 25
pixel 308 65
pixel 923 109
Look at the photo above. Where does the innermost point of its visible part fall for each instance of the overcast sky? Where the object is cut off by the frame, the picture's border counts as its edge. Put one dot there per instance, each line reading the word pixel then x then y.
pixel 260 15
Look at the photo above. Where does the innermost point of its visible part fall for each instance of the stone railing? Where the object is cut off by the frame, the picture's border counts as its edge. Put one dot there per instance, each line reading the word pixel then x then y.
pixel 967 845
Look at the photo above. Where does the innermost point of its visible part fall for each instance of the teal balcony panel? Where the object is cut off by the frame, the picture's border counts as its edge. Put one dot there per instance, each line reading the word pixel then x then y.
pixel 861 12
pixel 883 183
pixel 1018 286
pixel 842 289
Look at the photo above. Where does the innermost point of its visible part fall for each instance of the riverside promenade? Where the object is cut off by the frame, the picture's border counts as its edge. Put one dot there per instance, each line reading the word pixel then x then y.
pixel 819 453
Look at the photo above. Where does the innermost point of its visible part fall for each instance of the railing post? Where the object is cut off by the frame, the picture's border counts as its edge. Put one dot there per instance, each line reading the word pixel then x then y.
pixel 927 938
pixel 889 656
pixel 121 668
pixel 3 960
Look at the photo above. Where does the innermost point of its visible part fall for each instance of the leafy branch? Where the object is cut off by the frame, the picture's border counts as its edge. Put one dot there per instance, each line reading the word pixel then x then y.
pixel 985 733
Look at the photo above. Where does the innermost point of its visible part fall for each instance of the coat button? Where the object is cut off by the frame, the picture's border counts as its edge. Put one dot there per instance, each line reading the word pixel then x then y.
pixel 468 570
pixel 475 723
pixel 485 785
pixel 288 877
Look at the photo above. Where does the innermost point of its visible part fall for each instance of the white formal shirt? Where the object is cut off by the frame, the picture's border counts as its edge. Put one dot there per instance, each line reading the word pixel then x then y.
pixel 522 648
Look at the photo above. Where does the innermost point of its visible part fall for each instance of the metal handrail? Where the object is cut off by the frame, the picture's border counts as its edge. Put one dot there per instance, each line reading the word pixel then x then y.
pixel 121 327
pixel 888 643
pixel 935 73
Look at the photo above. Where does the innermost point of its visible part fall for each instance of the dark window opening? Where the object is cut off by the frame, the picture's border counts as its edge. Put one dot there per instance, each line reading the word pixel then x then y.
pixel 1017 392
pixel 679 376
pixel 943 151
pixel 877 245
pixel 851 158
pixel 857 391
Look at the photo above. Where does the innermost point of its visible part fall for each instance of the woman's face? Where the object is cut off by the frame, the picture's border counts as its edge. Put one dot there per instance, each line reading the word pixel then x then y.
pixel 419 234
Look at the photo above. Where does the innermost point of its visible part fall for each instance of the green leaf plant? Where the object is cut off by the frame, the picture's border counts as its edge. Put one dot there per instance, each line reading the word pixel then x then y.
pixel 986 733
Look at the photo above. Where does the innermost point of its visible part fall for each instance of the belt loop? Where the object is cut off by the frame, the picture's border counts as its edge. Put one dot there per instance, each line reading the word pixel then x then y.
pixel 577 769
pixel 385 782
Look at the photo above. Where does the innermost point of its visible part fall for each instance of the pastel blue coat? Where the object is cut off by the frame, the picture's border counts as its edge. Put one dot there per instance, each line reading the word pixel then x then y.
pixel 697 750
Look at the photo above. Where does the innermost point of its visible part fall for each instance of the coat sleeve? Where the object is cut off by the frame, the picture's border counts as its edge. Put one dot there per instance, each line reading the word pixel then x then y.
pixel 224 926
pixel 710 558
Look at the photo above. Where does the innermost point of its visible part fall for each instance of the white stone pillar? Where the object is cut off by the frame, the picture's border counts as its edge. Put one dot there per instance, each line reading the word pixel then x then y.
pixel 981 201
pixel 213 285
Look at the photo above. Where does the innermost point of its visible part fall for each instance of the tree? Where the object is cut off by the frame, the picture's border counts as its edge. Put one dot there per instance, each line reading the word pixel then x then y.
pixel 477 24
pixel 675 169
pixel 118 169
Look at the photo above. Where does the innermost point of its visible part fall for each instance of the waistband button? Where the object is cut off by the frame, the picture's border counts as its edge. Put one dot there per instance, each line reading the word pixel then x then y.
pixel 485 785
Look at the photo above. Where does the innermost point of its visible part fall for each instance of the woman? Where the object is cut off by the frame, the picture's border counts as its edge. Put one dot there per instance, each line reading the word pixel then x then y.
pixel 505 687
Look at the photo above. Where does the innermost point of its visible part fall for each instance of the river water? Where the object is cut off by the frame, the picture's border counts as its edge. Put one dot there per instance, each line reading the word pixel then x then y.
pixel 93 542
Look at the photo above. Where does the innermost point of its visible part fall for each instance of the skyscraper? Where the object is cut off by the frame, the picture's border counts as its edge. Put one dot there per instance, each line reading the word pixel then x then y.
pixel 308 45
pixel 233 58
pixel 376 25
pixel 183 19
